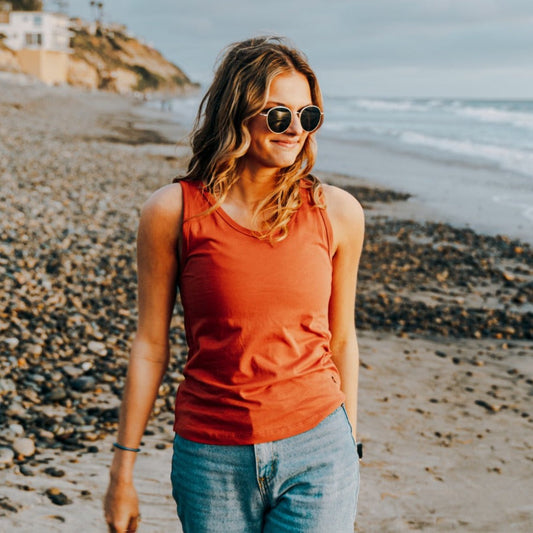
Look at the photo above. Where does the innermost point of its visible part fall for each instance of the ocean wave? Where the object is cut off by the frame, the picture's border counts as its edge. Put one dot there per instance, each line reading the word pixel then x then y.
pixel 495 115
pixel 393 105
pixel 482 113
pixel 358 130
pixel 507 158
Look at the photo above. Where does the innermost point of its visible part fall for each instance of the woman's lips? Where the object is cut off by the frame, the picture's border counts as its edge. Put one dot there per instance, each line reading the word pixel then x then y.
pixel 286 144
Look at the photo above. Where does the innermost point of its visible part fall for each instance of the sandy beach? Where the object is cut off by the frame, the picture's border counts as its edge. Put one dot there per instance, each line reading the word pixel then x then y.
pixel 445 323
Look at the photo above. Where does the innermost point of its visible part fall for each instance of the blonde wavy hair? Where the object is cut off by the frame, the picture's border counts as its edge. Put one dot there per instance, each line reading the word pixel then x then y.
pixel 220 137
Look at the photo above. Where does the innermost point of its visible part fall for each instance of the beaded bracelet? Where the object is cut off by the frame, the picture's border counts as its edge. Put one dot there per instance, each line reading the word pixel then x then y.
pixel 120 447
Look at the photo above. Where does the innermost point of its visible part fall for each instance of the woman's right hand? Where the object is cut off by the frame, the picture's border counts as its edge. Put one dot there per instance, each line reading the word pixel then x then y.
pixel 121 507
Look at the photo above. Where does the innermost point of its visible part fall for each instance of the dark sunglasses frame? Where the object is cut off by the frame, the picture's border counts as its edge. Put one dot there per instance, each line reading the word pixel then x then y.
pixel 287 113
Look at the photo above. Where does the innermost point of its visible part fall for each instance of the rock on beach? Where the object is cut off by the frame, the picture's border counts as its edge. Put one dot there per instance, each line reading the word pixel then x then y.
pixel 24 447
pixel 7 457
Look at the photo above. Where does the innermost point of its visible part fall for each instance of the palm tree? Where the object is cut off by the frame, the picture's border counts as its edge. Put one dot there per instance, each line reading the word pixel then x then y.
pixel 100 6
pixel 26 5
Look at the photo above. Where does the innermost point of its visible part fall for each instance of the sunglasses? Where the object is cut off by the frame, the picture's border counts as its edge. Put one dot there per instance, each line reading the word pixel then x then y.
pixel 279 118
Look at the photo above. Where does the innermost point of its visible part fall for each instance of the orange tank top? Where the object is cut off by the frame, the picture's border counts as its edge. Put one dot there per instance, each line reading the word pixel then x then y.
pixel 259 366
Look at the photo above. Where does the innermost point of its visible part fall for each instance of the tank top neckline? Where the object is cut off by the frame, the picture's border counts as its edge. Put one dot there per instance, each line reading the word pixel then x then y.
pixel 227 218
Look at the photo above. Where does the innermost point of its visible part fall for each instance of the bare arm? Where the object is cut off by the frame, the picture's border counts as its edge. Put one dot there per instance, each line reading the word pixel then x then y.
pixel 347 220
pixel 157 261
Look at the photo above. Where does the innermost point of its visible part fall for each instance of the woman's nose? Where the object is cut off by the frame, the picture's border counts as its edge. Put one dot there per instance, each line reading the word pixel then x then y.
pixel 295 127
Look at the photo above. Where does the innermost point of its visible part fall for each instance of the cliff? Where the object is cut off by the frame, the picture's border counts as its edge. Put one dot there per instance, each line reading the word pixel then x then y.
pixel 108 58
pixel 113 60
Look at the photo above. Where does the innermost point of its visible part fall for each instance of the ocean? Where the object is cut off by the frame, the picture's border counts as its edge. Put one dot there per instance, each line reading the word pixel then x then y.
pixel 494 133
pixel 470 161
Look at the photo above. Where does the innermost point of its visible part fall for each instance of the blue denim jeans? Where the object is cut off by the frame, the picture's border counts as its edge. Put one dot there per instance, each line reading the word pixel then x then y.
pixel 308 483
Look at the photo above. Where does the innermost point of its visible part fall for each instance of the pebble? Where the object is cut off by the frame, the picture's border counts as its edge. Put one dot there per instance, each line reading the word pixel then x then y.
pixel 75 419
pixel 34 349
pixel 36 378
pixel 57 497
pixel 16 410
pixel 7 505
pixel 73 371
pixel 86 429
pixel 7 385
pixel 84 383
pixel 17 429
pixel 7 456
pixel 24 446
pixel 492 408
pixel 12 342
pixel 99 348
pixel 26 471
pixel 57 394
pixel 54 472
pixel 7 435
pixel 91 436
pixel 44 434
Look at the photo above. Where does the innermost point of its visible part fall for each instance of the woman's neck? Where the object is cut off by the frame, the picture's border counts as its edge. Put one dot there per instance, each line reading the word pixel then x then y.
pixel 252 188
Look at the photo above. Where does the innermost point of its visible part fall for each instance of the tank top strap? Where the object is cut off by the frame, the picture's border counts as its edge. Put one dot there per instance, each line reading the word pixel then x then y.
pixel 194 201
pixel 308 203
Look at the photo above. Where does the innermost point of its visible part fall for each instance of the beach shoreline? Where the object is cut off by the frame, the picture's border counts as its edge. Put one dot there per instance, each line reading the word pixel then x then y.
pixel 444 322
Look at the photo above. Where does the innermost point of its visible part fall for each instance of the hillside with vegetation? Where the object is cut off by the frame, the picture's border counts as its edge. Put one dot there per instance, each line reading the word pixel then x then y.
pixel 112 60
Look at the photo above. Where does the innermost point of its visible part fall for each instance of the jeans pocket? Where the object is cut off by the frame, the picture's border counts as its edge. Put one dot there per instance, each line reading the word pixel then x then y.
pixel 349 425
pixel 343 407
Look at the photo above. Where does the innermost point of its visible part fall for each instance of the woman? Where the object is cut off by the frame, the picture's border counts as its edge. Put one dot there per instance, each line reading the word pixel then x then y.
pixel 266 261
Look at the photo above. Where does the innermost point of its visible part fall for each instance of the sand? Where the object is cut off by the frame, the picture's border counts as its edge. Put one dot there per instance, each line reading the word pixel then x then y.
pixel 447 421
pixel 434 460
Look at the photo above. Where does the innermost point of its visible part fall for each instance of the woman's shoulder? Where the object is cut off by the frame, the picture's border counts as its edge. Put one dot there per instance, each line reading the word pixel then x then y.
pixel 164 205
pixel 346 217
pixel 341 204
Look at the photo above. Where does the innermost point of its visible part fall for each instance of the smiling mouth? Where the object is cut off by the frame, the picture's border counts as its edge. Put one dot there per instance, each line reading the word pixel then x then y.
pixel 287 144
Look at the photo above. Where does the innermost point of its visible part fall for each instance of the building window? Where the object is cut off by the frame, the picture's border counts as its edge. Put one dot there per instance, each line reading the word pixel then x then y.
pixel 37 20
pixel 34 39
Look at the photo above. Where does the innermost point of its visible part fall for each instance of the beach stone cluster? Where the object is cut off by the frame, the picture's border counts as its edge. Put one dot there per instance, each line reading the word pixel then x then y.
pixel 74 171
pixel 433 278
pixel 70 205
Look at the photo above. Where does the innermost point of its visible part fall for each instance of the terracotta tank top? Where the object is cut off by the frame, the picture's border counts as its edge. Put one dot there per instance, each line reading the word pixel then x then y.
pixel 259 366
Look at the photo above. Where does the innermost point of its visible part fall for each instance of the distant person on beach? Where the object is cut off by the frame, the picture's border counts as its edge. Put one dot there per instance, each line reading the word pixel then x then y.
pixel 265 258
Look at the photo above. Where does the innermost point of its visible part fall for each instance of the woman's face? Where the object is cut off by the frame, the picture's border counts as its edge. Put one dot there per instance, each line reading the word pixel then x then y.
pixel 279 150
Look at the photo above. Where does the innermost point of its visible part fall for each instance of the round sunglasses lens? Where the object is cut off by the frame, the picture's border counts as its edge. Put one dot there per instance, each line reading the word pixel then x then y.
pixel 310 118
pixel 279 119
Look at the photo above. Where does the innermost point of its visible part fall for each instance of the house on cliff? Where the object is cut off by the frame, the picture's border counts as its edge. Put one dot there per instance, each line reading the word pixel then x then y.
pixel 40 40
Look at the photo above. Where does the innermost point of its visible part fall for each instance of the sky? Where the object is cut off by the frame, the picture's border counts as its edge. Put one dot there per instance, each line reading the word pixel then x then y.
pixel 374 48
